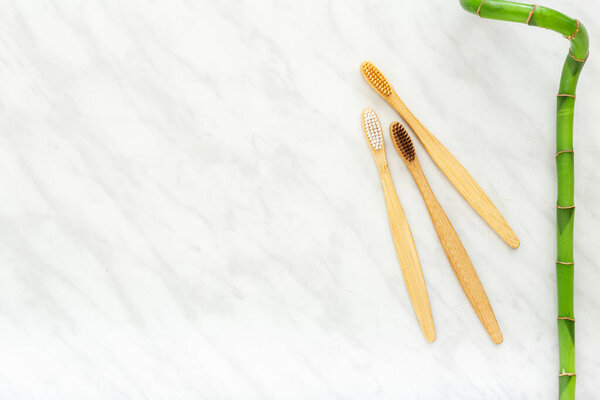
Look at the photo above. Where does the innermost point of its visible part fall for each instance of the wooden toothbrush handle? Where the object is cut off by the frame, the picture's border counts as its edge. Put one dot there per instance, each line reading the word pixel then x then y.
pixel 407 255
pixel 458 175
pixel 458 257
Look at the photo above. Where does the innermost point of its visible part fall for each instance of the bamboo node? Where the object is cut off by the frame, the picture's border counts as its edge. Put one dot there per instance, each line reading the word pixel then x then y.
pixel 531 14
pixel 564 207
pixel 578 59
pixel 566 95
pixel 479 8
pixel 565 263
pixel 567 318
pixel 572 35
pixel 567 374
pixel 563 151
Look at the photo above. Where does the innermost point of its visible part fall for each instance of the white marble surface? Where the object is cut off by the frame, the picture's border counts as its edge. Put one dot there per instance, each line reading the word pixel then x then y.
pixel 190 211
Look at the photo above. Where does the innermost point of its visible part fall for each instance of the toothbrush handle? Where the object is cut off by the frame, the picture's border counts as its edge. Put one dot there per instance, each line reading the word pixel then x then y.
pixel 407 255
pixel 458 175
pixel 458 257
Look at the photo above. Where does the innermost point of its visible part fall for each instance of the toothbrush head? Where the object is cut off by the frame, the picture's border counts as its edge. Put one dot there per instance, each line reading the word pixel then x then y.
pixel 402 141
pixel 372 129
pixel 376 79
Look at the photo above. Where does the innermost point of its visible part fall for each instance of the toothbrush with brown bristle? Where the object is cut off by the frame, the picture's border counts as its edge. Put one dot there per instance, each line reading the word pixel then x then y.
pixel 403 240
pixel 454 171
pixel 455 251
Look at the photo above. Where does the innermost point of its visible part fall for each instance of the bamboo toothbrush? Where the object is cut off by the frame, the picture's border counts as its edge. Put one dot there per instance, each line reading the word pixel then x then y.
pixel 403 241
pixel 456 253
pixel 454 171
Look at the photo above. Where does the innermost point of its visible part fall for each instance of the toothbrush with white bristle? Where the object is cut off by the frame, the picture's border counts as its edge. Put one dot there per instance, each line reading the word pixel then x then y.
pixel 403 240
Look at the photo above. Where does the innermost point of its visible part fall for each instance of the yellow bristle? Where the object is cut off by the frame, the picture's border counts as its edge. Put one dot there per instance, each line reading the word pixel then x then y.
pixel 376 79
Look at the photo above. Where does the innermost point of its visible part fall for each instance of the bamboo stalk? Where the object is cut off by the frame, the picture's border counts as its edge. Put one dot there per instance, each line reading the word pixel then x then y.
pixel 577 35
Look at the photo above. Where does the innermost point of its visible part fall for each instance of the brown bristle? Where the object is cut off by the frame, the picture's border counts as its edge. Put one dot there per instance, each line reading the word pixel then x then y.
pixel 376 79
pixel 402 141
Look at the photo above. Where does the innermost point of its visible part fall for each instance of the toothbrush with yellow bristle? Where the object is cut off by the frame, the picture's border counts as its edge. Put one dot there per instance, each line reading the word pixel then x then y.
pixel 403 240
pixel 454 171
pixel 454 249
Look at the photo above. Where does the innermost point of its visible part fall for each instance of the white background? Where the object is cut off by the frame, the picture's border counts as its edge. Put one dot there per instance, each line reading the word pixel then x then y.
pixel 189 209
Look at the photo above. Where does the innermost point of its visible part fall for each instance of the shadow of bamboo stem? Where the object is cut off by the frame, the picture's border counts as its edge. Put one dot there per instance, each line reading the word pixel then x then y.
pixel 575 32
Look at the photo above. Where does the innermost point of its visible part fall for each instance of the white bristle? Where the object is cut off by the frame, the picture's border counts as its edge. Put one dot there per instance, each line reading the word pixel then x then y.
pixel 373 129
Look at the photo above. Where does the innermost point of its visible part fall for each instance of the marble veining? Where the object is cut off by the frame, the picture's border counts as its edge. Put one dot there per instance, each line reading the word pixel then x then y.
pixel 190 210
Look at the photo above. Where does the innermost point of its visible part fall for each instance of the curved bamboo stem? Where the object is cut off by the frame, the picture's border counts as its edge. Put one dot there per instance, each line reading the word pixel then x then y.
pixel 577 35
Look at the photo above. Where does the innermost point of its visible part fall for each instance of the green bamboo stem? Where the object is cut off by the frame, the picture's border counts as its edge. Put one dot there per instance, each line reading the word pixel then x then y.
pixel 577 35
